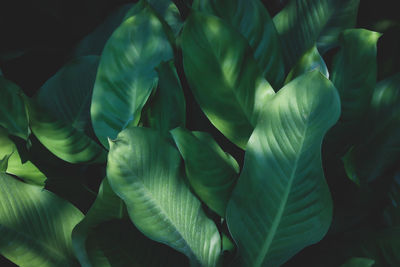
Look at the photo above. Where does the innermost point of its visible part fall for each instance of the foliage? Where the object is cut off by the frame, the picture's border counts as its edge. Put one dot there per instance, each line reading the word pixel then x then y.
pixel 121 157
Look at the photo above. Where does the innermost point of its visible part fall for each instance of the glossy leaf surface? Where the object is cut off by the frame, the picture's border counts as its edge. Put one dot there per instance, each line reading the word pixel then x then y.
pixel 211 48
pixel 251 19
pixel 281 202
pixel 35 225
pixel 126 74
pixel 145 171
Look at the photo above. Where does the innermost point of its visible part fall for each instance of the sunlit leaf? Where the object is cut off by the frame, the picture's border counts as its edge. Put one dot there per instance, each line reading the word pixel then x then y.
pixel 223 76
pixel 35 225
pixel 281 202
pixel 126 74
pixel 145 171
pixel 251 19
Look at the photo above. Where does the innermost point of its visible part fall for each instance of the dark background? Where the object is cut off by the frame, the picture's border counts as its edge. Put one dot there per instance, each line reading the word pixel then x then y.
pixel 36 38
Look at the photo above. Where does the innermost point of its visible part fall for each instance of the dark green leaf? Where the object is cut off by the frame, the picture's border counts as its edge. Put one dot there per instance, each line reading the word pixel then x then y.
pixel 223 76
pixel 359 262
pixel 212 173
pixel 281 202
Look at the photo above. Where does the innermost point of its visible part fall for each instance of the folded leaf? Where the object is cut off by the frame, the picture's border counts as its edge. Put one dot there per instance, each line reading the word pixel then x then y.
pixel 145 171
pixel 126 74
pixel 211 172
pixel 311 60
pixel 35 225
pixel 251 19
pixel 12 109
pixel 166 109
pixel 58 121
pixel 223 76
pixel 302 23
pixel 281 202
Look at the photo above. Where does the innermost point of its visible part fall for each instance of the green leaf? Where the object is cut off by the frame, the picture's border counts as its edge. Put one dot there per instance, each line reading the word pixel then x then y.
pixel 126 74
pixel 107 206
pixel 359 262
pixel 311 60
pixel 12 109
pixel 94 42
pixel 379 150
pixel 169 12
pixel 119 243
pixel 145 171
pixel 25 170
pixel 4 163
pixel 354 72
pixel 251 19
pixel 35 225
pixel 211 172
pixel 281 202
pixel 392 212
pixel 59 114
pixel 302 23
pixel 223 76
pixel 166 109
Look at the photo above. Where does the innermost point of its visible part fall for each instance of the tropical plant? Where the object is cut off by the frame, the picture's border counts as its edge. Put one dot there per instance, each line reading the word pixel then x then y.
pixel 206 133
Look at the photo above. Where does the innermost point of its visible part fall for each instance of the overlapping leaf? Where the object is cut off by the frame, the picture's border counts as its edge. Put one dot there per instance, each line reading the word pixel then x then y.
pixel 251 19
pixel 59 115
pixel 211 172
pixel 35 225
pixel 145 171
pixel 281 202
pixel 223 76
pixel 126 74
pixel 302 23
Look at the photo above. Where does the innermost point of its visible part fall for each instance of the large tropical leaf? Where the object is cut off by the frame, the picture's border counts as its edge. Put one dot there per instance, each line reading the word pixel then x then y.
pixel 35 225
pixel 126 74
pixel 59 114
pixel 302 23
pixel 212 173
pixel 310 61
pixel 24 169
pixel 12 109
pixel 251 19
pixel 380 148
pixel 166 109
pixel 281 202
pixel 145 171
pixel 223 75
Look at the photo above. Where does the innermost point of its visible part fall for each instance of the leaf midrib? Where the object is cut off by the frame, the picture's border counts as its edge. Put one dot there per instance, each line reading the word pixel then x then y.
pixel 278 217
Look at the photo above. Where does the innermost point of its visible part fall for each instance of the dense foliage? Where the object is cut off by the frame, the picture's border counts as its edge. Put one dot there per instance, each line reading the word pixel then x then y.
pixel 206 133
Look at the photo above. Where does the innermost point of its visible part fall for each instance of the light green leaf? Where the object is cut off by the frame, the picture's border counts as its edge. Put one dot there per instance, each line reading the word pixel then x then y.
pixel 107 206
pixel 223 76
pixel 251 19
pixel 94 42
pixel 12 109
pixel 359 262
pixel 211 172
pixel 59 114
pixel 25 170
pixel 126 74
pixel 281 202
pixel 145 171
pixel 302 23
pixel 35 225
pixel 379 150
pixel 166 109
pixel 311 60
